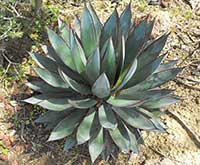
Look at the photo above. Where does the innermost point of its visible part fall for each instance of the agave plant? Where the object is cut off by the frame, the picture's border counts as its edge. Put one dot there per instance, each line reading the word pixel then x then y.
pixel 100 83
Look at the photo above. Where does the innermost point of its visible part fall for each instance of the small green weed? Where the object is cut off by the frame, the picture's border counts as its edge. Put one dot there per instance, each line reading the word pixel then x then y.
pixel 3 149
pixel 188 14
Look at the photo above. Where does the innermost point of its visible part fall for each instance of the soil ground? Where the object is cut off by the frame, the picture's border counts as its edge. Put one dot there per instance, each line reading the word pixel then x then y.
pixel 24 142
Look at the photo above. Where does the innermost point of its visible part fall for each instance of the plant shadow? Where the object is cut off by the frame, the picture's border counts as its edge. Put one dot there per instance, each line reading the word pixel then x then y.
pixel 35 136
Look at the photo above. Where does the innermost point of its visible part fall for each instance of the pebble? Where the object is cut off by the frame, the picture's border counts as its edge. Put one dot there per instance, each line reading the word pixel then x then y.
pixel 197 100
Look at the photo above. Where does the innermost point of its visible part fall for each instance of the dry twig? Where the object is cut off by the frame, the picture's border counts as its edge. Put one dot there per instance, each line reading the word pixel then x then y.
pixel 9 65
pixel 190 79
pixel 191 53
pixel 190 133
pixel 164 156
pixel 188 3
pixel 178 81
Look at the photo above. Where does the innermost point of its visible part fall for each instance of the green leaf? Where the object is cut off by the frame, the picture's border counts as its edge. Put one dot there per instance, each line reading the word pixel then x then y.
pixel 120 55
pixel 35 99
pixel 45 62
pixel 141 74
pixel 61 48
pixel 71 73
pixel 52 116
pixel 101 87
pixel 149 29
pixel 133 142
pixel 124 102
pixel 96 21
pixel 89 34
pixel 70 142
pixel 156 112
pixel 51 54
pixel 156 80
pixel 158 124
pixel 110 147
pixel 92 69
pixel 110 28
pixel 135 43
pixel 64 30
pixel 152 51
pixel 42 86
pixel 104 48
pixel 64 94
pixel 166 66
pixel 83 132
pixel 135 119
pixel 130 94
pixel 126 76
pixel 51 78
pixel 78 56
pixel 137 134
pixel 120 137
pixel 109 62
pixel 123 130
pixel 161 102
pixel 82 104
pixel 125 20
pixel 67 125
pixel 107 117
pixel 96 146
pixel 77 25
pixel 95 128
pixel 54 104
pixel 80 88
pixel 71 39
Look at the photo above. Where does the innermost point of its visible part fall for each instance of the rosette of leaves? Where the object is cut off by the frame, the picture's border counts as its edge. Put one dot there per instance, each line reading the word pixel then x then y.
pixel 100 83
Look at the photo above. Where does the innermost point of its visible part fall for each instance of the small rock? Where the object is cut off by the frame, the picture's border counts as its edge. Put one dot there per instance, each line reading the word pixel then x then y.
pixel 162 23
pixel 46 160
pixel 185 48
pixel 165 3
pixel 197 100
pixel 3 157
pixel 195 4
pixel 19 148
pixel 13 103
pixel 2 105
pixel 167 161
pixel 1 97
pixel 8 107
pixel 12 132
pixel 162 3
pixel 14 162
pixel 153 2
pixel 7 143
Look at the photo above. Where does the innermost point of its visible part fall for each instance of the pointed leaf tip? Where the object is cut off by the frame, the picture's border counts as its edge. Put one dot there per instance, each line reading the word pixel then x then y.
pixel 109 61
pixel 92 69
pixel 101 87
pixel 69 143
pixel 61 48
pixel 107 117
pixel 66 126
pixel 90 31
pixel 83 132
pixel 96 146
